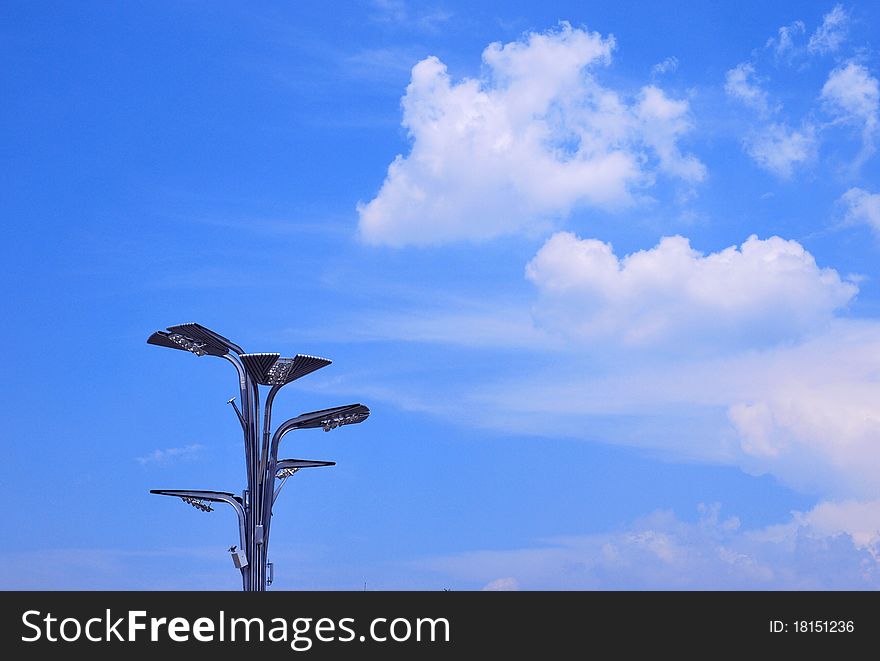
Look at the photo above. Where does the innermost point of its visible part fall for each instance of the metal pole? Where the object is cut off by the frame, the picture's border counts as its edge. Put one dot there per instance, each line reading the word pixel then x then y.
pixel 245 389
pixel 266 484
pixel 253 552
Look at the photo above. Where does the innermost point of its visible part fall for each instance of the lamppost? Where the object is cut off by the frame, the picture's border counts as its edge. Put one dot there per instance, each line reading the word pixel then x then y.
pixel 254 507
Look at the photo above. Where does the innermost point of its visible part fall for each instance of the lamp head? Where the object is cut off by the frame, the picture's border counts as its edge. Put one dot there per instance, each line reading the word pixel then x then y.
pixel 270 369
pixel 194 338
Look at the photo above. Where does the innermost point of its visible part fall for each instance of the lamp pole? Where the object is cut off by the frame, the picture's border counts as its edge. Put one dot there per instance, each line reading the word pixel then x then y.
pixel 262 468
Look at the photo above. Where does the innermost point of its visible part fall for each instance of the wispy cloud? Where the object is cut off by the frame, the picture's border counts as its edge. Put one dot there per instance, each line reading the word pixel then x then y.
pixel 780 149
pixel 486 327
pixel 852 96
pixel 166 456
pixel 831 34
pixel 814 550
pixel 861 206
pixel 277 227
pixel 835 545
pixel 849 96
pixel 401 13
pixel 668 65
pixel 383 64
pixel 783 45
pixel 742 84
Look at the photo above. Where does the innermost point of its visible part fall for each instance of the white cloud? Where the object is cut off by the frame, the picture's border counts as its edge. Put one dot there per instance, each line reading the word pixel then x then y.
pixel 766 290
pixel 391 10
pixel 832 547
pixel 386 63
pixel 804 412
pixel 829 36
pixel 400 13
pixel 742 84
pixel 813 434
pixel 783 45
pixel 773 146
pixel 668 65
pixel 733 357
pixel 778 148
pixel 470 324
pixel 521 147
pixel 169 455
pixel 858 519
pixel 862 207
pixel 502 585
pixel 852 95
pixel 663 121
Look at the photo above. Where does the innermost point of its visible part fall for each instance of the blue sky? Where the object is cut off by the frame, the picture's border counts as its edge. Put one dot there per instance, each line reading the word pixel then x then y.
pixel 604 272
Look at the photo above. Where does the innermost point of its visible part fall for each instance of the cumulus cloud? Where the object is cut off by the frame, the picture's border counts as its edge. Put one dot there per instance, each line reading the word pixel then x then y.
pixel 815 550
pixel 170 455
pixel 829 36
pixel 532 139
pixel 778 148
pixel 862 207
pixel 858 519
pixel 742 84
pixel 735 357
pixel 813 434
pixel 738 357
pixel 765 290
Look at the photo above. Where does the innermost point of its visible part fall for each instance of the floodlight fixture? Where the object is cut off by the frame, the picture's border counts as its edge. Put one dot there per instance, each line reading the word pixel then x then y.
pixel 204 495
pixel 177 341
pixel 290 467
pixel 297 464
pixel 341 419
pixel 194 338
pixel 287 468
pixel 270 369
pixel 215 341
pixel 198 503
pixel 327 419
pixel 286 370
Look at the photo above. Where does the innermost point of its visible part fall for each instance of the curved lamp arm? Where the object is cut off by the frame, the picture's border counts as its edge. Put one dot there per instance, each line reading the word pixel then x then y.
pixel 245 389
pixel 326 419
pixel 201 341
pixel 212 497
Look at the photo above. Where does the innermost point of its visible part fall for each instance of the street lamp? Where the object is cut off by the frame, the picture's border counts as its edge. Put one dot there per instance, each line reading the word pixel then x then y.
pixel 254 506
